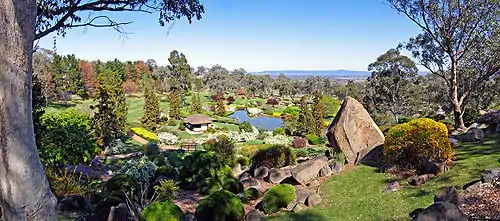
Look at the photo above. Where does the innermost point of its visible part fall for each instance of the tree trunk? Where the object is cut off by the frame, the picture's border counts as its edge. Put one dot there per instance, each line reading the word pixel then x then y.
pixel 457 110
pixel 24 190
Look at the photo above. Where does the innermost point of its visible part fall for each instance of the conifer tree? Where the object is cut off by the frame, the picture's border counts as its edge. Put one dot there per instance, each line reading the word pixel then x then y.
pixel 220 107
pixel 151 117
pixel 195 107
pixel 306 120
pixel 318 113
pixel 110 114
pixel 175 105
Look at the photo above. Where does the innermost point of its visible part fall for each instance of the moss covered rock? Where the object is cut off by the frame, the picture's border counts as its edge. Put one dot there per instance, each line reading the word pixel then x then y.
pixel 233 185
pixel 220 206
pixel 278 197
pixel 251 194
pixel 162 211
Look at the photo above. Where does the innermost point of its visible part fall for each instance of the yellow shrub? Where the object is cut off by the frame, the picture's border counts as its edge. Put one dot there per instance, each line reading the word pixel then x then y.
pixel 141 132
pixel 407 144
pixel 276 114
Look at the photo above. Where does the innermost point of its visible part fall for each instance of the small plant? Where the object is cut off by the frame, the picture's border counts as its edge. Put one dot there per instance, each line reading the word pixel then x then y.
pixel 245 127
pixel 224 148
pixel 244 161
pixel 142 132
pixel 151 148
pixel 211 130
pixel 233 185
pixel 168 138
pixel 314 140
pixel 274 157
pixel 159 211
pixel 172 122
pixel 251 194
pixel 278 197
pixel 221 205
pixel 117 146
pixel 299 142
pixel 278 140
pixel 140 169
pixel 68 182
pixel 167 171
pixel 165 191
pixel 279 131
pixel 230 100
pixel 182 127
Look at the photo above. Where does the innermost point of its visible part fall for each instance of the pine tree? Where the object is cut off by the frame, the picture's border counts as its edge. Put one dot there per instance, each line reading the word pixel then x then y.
pixel 305 121
pixel 195 107
pixel 318 113
pixel 175 105
pixel 151 117
pixel 110 114
pixel 221 107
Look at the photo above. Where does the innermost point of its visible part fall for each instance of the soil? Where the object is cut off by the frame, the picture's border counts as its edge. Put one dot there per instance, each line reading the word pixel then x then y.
pixel 482 204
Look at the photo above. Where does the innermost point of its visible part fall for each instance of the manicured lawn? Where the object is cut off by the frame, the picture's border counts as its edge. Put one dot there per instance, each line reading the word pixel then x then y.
pixel 357 194
pixel 229 127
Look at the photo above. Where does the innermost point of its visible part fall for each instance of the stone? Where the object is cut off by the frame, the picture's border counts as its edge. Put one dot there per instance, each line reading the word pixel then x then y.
pixel 252 182
pixel 291 205
pixel 190 217
pixel 441 211
pixel 303 193
pixel 278 175
pixel 237 171
pixel 497 129
pixel 454 142
pixel 306 172
pixel 474 134
pixel 298 207
pixel 489 118
pixel 432 167
pixel 448 194
pixel 473 186
pixel 314 199
pixel 354 132
pixel 326 171
pixel 245 176
pixel 489 175
pixel 261 172
pixel 74 203
pixel 337 167
pixel 392 187
pixel 255 215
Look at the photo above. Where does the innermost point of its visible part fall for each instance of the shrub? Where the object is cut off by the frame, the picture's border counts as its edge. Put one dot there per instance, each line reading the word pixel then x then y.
pixel 233 185
pixel 167 171
pixel 245 127
pixel 211 130
pixel 279 131
pixel 250 150
pixel 278 140
pixel 65 182
pixel 165 190
pixel 244 161
pixel 159 160
pixel 299 142
pixel 172 122
pixel 67 138
pixel 308 152
pixel 409 143
pixel 278 197
pixel 117 146
pixel 220 206
pixel 162 211
pixel 230 100
pixel 141 132
pixel 151 148
pixel 274 157
pixel 182 127
pixel 272 101
pixel 223 147
pixel 204 171
pixel 140 169
pixel 168 138
pixel 294 111
pixel 314 140
pixel 251 194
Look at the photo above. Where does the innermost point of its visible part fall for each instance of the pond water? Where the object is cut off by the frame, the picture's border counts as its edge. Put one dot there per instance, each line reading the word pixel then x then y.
pixel 268 123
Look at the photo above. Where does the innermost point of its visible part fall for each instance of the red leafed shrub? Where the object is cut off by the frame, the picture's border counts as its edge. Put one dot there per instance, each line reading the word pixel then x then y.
pixel 299 142
pixel 241 91
pixel 130 87
pixel 218 96
pixel 230 100
pixel 272 101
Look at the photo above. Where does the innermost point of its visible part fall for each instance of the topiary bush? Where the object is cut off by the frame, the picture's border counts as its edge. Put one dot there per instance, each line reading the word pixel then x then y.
pixel 233 185
pixel 279 131
pixel 147 135
pixel 245 127
pixel 314 140
pixel 274 157
pixel 167 171
pixel 223 147
pixel 162 211
pixel 244 161
pixel 220 206
pixel 251 194
pixel 277 197
pixel 408 144
pixel 299 142
pixel 151 148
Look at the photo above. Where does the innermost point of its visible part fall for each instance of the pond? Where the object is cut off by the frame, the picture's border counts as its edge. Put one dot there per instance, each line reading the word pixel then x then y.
pixel 264 122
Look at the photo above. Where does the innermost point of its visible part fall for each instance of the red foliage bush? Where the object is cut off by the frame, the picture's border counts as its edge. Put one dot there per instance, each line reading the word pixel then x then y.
pixel 299 142
pixel 218 96
pixel 230 100
pixel 130 87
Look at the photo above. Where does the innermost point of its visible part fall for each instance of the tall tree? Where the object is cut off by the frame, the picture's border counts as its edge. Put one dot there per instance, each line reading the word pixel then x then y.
pixel 220 108
pixel 458 43
pixel 318 113
pixel 180 71
pixel 390 84
pixel 195 107
pixel 175 105
pixel 305 119
pixel 110 114
pixel 151 117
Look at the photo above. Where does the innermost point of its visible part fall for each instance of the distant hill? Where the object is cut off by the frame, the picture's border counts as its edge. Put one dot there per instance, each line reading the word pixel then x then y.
pixel 336 74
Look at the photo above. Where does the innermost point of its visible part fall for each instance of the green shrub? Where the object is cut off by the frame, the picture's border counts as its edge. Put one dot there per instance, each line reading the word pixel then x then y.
pixel 223 147
pixel 67 139
pixel 250 150
pixel 175 157
pixel 278 197
pixel 147 135
pixel 220 206
pixel 294 111
pixel 470 116
pixel 211 130
pixel 308 152
pixel 172 122
pixel 314 140
pixel 279 131
pixel 403 120
pixel 274 157
pixel 167 171
pixel 119 185
pixel 182 127
pixel 159 160
pixel 245 127
pixel 151 148
pixel 409 143
pixel 204 171
pixel 244 161
pixel 251 194
pixel 165 190
pixel 64 182
pixel 162 211
pixel 233 185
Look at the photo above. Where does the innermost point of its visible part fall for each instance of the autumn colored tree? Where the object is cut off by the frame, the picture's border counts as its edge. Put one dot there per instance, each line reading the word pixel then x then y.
pixel 151 117
pixel 175 105
pixel 130 87
pixel 230 100
pixel 220 108
pixel 89 75
pixel 272 101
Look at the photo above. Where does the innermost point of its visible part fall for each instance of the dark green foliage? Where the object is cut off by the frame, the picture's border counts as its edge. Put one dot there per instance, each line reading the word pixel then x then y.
pixel 274 157
pixel 244 161
pixel 245 127
pixel 470 115
pixel 175 157
pixel 172 122
pixel 160 211
pixel 233 185
pixel 204 171
pixel 38 104
pixel 67 138
pixel 119 185
pixel 251 194
pixel 151 117
pixel 279 131
pixel 195 107
pixel 308 152
pixel 151 148
pixel 159 160
pixel 182 127
pixel 305 121
pixel 293 111
pixel 110 114
pixel 175 105
pixel 223 147
pixel 220 206
pixel 278 197
pixel 180 79
pixel 318 112
pixel 314 140
pixel 167 171
pixel 67 77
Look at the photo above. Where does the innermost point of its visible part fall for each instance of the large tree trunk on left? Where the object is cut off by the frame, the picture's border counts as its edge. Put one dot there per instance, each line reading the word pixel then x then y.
pixel 24 190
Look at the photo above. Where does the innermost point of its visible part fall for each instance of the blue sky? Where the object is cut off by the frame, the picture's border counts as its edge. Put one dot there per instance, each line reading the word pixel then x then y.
pixel 253 34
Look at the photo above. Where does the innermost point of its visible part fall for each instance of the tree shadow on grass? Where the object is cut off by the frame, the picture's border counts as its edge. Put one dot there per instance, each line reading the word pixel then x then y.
pixel 302 216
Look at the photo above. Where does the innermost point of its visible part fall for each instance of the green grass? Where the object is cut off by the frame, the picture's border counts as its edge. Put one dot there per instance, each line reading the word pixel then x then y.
pixel 357 194
pixel 229 127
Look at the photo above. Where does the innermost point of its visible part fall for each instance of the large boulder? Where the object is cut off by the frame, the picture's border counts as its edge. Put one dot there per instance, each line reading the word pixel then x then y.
pixel 261 172
pixel 491 118
pixel 354 132
pixel 489 175
pixel 448 194
pixel 278 175
pixel 474 134
pixel 441 211
pixel 306 171
pixel 255 215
